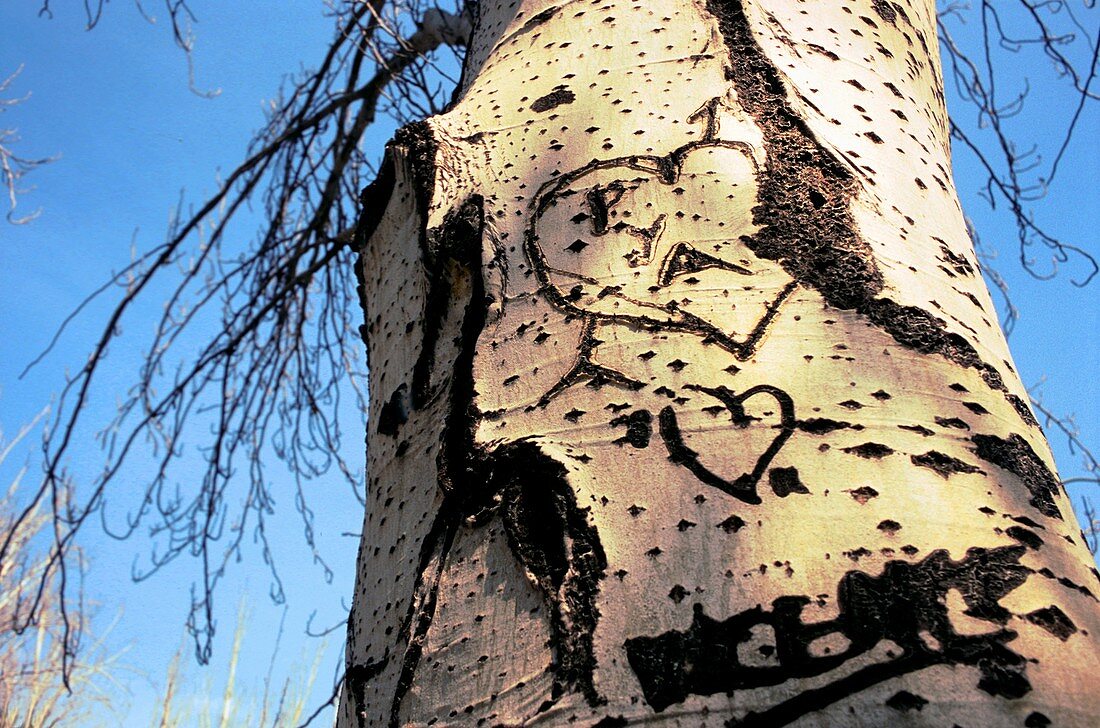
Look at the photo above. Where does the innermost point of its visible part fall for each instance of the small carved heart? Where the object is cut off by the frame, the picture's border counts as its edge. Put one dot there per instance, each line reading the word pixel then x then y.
pixel 743 486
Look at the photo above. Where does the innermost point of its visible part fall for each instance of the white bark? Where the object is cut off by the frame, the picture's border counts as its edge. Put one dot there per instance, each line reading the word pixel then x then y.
pixel 689 406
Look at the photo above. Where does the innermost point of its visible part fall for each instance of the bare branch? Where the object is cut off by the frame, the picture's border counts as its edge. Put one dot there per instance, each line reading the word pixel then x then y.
pixel 271 377
pixel 1014 177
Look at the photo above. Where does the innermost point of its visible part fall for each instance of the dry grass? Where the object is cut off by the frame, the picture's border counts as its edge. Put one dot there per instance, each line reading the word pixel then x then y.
pixel 33 691
pixel 233 704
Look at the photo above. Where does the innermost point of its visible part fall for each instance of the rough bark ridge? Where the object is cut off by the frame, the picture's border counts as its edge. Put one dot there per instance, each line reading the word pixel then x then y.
pixel 688 402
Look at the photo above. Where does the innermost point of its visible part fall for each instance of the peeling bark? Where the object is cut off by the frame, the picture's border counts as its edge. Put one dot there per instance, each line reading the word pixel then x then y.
pixel 688 404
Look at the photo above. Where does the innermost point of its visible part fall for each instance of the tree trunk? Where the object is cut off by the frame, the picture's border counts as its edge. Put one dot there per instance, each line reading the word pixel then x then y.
pixel 689 404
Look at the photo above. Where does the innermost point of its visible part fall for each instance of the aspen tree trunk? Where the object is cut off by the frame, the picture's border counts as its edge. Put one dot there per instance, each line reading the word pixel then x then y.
pixel 688 403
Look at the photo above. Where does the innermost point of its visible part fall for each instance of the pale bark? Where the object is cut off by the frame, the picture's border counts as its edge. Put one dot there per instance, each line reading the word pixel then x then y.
pixel 689 405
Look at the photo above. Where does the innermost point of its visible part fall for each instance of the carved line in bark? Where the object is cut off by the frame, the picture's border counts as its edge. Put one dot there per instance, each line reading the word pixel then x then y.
pixel 680 259
pixel 743 487
pixel 905 605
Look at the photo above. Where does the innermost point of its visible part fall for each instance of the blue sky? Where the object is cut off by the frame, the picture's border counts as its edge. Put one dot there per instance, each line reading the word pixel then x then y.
pixel 114 104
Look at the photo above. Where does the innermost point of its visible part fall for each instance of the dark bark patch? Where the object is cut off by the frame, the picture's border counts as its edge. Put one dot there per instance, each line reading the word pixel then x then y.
pixel 785 481
pixel 639 429
pixel 1053 620
pixel 1026 521
pixel 857 554
pixel 1067 583
pixel 395 412
pixel 733 524
pixel 1035 719
pixel 862 494
pixel 944 465
pixel 540 18
pixel 823 425
pixel 1022 409
pixel 919 429
pixel 553 540
pixel 887 13
pixel 1017 457
pixel 889 527
pixel 1025 536
pixel 870 450
pixel 952 422
pixel 559 96
pixel 677 593
pixel 356 678
pixel 903 701
pixel 612 721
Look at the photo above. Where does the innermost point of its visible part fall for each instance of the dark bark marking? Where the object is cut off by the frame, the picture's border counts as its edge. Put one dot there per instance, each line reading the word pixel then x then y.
pixel 639 428
pixel 885 11
pixel 889 526
pixel 785 481
pixel 539 19
pixel 456 241
pixel 555 543
pixel 944 465
pixel 824 425
pixel 356 677
pixel 733 524
pixel 903 701
pixel 1017 457
pixel 1025 536
pixel 870 450
pixel 904 601
pixel 395 412
pixel 1035 719
pixel 1053 620
pixel 559 96
pixel 862 494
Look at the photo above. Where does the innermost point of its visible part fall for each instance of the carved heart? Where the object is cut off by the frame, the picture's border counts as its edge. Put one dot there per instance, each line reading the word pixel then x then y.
pixel 743 486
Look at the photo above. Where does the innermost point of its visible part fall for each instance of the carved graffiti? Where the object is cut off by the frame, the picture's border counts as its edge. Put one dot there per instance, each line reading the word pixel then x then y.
pixel 905 606
pixel 610 242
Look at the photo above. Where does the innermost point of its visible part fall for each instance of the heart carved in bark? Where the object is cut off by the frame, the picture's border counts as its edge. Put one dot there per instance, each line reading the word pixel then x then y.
pixel 660 242
pixel 741 485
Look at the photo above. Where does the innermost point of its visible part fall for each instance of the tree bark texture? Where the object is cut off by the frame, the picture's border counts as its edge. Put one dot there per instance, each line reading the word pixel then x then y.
pixel 689 405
